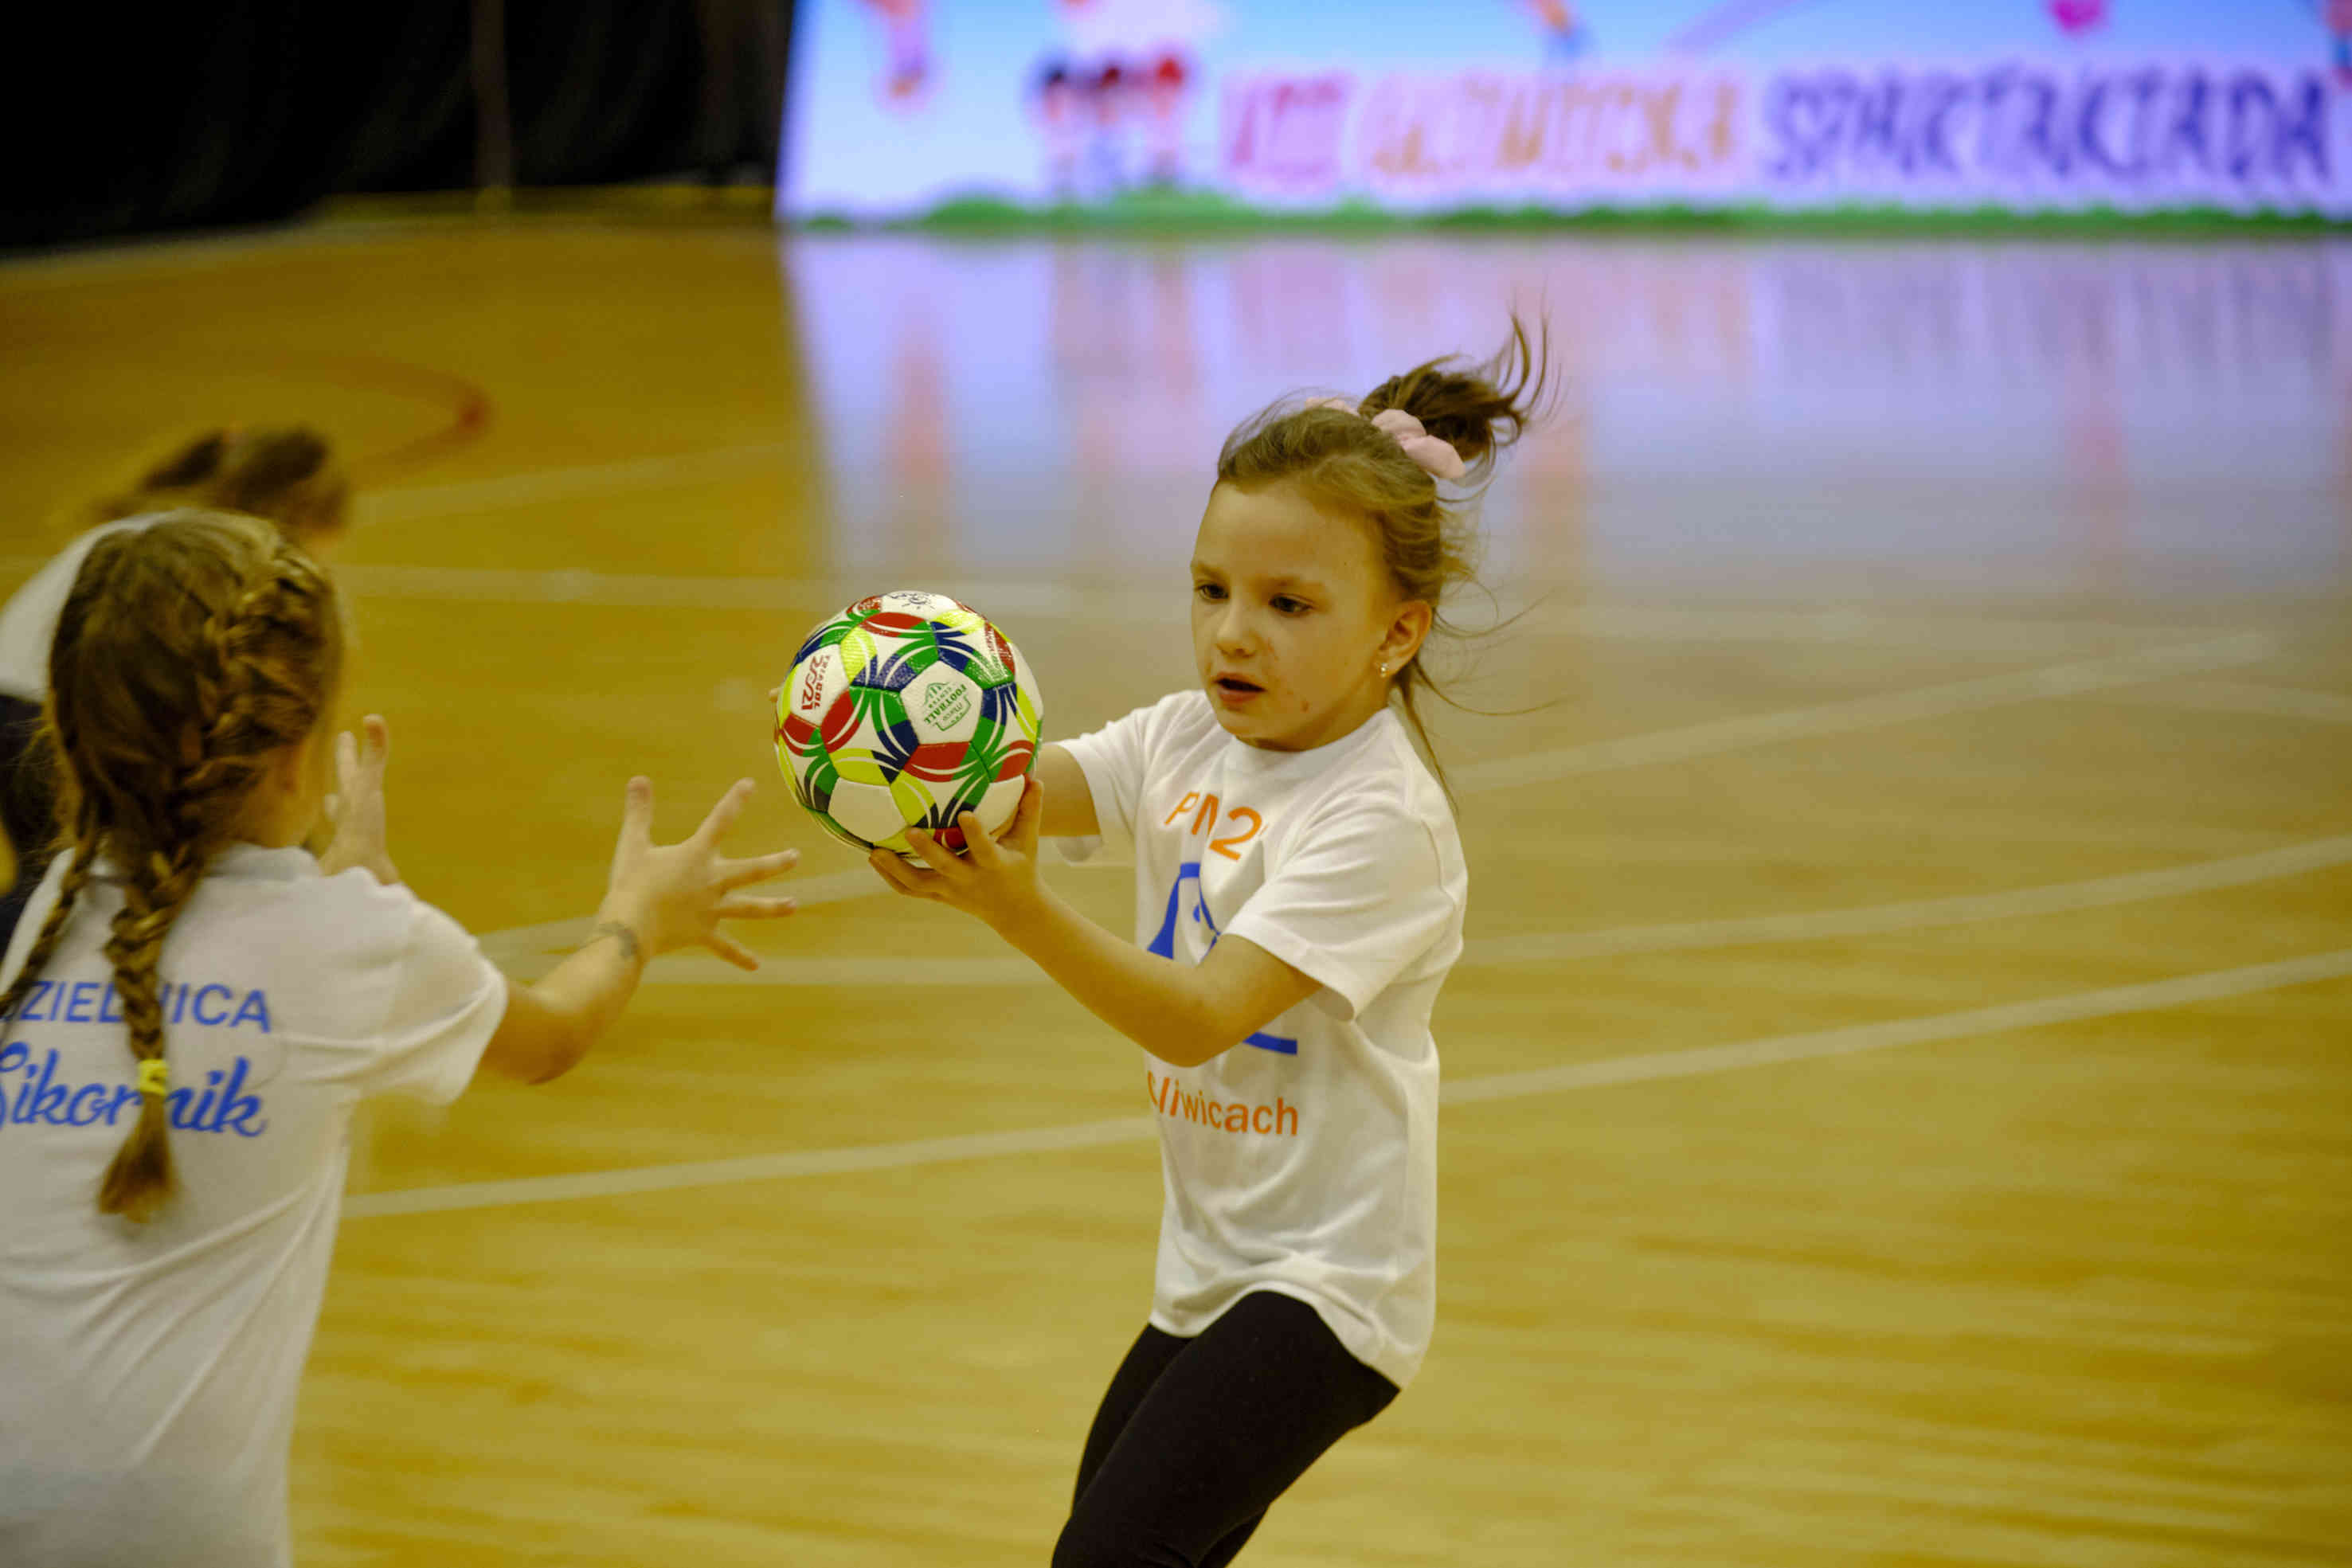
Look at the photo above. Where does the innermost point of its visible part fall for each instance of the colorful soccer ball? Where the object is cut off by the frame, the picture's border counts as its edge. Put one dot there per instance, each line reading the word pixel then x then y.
pixel 907 710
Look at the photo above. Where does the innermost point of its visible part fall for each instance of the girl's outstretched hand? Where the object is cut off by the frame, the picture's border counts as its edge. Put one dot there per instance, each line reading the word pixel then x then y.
pixel 667 896
pixel 356 808
pixel 994 880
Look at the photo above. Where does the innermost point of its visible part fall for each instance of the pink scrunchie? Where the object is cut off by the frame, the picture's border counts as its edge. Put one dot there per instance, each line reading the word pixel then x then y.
pixel 1436 459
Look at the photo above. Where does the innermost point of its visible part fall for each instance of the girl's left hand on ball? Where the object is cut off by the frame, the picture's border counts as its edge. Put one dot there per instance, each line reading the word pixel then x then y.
pixel 994 880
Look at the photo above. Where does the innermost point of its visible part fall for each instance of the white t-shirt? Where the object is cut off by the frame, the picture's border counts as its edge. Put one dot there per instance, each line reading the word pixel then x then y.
pixel 150 1371
pixel 1304 1160
pixel 29 622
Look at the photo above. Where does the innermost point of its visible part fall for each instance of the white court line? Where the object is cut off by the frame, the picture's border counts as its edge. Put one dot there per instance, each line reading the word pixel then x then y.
pixel 1864 713
pixel 2013 903
pixel 930 971
pixel 2185 989
pixel 1011 599
pixel 1004 601
pixel 522 950
pixel 1702 623
pixel 2211 986
pixel 2238 696
pixel 518 943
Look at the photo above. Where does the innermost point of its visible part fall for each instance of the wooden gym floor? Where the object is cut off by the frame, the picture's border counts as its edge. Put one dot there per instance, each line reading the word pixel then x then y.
pixel 1900 1082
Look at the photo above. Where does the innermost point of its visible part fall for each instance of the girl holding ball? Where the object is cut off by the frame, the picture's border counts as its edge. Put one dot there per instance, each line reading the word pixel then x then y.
pixel 1299 894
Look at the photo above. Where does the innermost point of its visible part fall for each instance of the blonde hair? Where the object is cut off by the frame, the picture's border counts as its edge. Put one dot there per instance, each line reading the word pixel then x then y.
pixel 288 475
pixel 1344 461
pixel 188 653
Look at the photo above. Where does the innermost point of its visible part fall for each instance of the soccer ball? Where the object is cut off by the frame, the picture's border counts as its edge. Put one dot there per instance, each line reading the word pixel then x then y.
pixel 906 709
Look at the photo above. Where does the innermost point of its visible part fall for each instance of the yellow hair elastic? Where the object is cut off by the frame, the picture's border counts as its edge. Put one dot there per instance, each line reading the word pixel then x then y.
pixel 154 1076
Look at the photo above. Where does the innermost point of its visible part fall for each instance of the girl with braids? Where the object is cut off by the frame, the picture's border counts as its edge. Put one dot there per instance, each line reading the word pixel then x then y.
pixel 190 1012
pixel 285 474
pixel 1300 890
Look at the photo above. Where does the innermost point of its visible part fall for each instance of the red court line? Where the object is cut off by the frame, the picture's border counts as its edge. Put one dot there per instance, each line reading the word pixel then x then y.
pixel 468 408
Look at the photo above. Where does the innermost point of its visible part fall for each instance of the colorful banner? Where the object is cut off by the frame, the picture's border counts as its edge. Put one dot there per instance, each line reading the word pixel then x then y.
pixel 906 108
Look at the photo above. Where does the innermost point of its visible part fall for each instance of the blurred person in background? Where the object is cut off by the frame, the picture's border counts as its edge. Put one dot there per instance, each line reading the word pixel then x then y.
pixel 285 475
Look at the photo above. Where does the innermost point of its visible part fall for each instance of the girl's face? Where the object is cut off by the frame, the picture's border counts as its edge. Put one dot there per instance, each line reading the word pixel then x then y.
pixel 1294 613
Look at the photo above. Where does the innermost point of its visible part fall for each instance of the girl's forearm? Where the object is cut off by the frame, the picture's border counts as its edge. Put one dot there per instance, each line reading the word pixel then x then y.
pixel 551 1022
pixel 594 984
pixel 1163 1006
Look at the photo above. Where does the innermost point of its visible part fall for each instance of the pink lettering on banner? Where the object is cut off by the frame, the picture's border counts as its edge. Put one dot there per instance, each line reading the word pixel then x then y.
pixel 1285 134
pixel 1482 133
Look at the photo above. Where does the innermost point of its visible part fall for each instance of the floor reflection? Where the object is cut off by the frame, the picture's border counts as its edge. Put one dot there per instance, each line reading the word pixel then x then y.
pixel 2084 417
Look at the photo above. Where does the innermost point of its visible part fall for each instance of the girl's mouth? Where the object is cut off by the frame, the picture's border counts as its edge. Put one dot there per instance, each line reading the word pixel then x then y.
pixel 1233 690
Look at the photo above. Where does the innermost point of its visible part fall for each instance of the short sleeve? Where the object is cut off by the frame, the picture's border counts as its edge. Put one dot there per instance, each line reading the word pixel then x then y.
pixel 28 622
pixel 1114 760
pixel 447 999
pixel 1363 896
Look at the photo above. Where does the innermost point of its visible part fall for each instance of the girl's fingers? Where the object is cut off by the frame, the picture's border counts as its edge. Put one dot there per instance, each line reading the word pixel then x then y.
pixel 722 816
pixel 914 884
pixel 756 908
pixel 890 869
pixel 637 812
pixel 978 843
pixel 759 868
pixel 347 759
pixel 378 738
pixel 936 855
pixel 1023 832
pixel 734 952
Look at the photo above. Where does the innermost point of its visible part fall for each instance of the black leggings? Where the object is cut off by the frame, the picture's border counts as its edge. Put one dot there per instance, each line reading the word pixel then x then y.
pixel 28 805
pixel 1196 1437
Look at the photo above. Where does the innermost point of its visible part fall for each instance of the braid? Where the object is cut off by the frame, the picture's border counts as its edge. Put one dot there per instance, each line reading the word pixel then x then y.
pixel 191 652
pixel 53 929
pixel 153 893
pixel 250 696
pixel 241 701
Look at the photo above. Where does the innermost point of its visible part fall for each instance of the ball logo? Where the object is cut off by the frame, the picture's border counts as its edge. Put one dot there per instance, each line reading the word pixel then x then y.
pixel 945 704
pixel 812 688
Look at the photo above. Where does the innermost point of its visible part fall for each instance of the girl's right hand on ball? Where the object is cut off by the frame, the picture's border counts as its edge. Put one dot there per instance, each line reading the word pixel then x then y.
pixel 670 896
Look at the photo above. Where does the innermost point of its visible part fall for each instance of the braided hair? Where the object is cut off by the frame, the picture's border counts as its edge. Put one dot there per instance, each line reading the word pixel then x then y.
pixel 189 654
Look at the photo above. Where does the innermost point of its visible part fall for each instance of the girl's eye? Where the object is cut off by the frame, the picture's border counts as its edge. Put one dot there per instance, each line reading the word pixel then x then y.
pixel 1208 590
pixel 1289 606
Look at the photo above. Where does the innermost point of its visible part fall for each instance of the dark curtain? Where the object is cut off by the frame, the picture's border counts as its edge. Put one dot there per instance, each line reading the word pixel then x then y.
pixel 249 111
